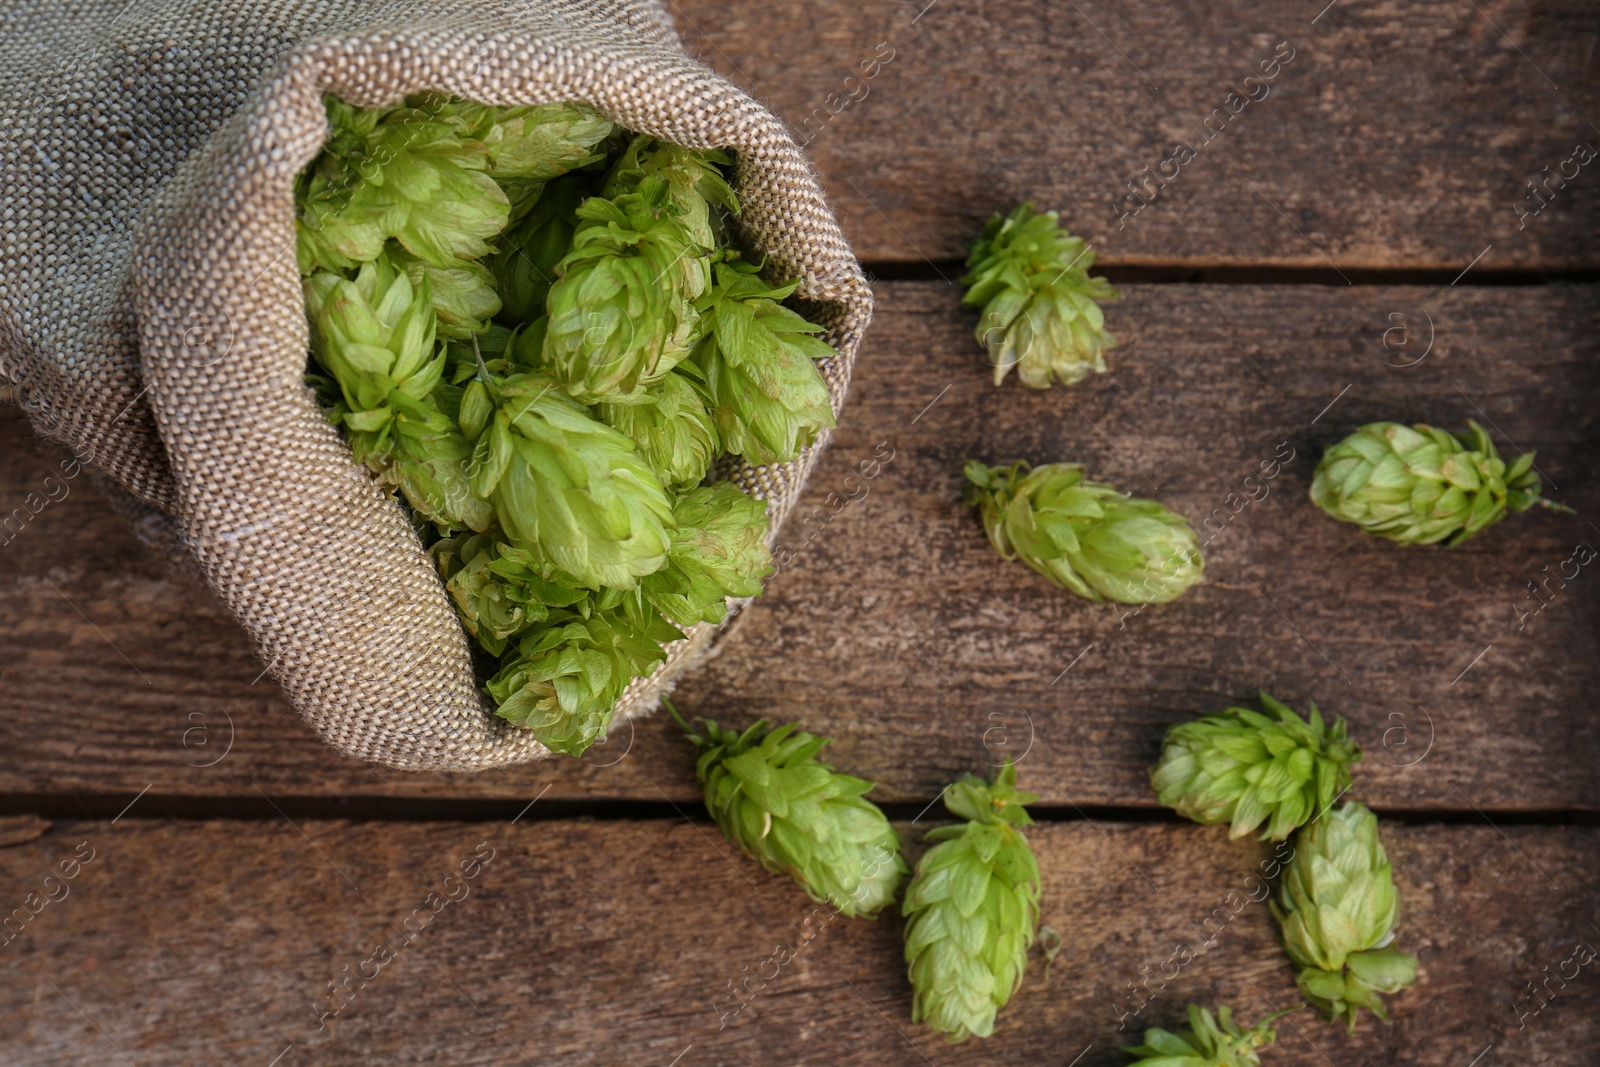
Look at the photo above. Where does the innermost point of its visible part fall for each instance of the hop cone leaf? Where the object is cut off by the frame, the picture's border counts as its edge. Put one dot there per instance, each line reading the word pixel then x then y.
pixel 758 360
pixel 404 173
pixel 374 335
pixel 694 177
pixel 1338 909
pixel 1246 768
pixel 1422 485
pixel 565 676
pixel 499 590
pixel 1085 536
pixel 1041 310
pixel 463 294
pixel 796 815
pixel 622 309
pixel 719 550
pixel 564 485
pixel 1211 1041
pixel 972 908
pixel 670 424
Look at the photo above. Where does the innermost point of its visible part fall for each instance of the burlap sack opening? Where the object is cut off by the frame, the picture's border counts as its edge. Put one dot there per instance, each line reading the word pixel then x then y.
pixel 153 317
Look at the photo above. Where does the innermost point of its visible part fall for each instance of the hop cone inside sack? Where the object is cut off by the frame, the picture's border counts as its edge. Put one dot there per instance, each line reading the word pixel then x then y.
pixel 1422 485
pixel 796 815
pixel 1338 909
pixel 972 909
pixel 1041 310
pixel 1085 536
pixel 1210 1041
pixel 1246 768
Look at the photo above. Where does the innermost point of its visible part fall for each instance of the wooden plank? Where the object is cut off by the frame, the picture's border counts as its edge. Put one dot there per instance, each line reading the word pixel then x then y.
pixel 1397 135
pixel 896 630
pixel 619 942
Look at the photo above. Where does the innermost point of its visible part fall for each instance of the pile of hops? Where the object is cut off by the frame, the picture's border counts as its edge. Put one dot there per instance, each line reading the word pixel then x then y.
pixel 534 328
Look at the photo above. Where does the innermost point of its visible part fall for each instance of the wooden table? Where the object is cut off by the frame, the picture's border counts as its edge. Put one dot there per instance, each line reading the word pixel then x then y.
pixel 1351 239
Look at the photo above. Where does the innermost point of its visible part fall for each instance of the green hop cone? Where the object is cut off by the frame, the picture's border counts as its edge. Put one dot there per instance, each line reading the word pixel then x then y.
pixel 1041 310
pixel 1210 1041
pixel 564 485
pixel 525 266
pixel 403 173
pixel 1085 536
pixel 759 363
pixel 694 176
pixel 1246 768
pixel 1338 909
pixel 972 908
pixel 499 591
pixel 796 815
pixel 374 335
pixel 463 295
pixel 622 308
pixel 1421 485
pixel 670 424
pixel 719 550
pixel 565 676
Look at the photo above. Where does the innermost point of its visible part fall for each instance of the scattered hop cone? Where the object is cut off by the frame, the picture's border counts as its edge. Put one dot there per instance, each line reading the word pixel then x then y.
pixel 566 486
pixel 972 908
pixel 1422 485
pixel 670 424
pixel 758 361
pixel 1210 1042
pixel 1041 310
pixel 719 550
pixel 1085 536
pixel 1338 909
pixel 463 295
pixel 622 309
pixel 796 815
pixel 1246 768
pixel 565 676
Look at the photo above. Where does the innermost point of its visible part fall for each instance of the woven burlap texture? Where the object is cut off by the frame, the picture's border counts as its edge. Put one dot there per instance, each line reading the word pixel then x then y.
pixel 151 314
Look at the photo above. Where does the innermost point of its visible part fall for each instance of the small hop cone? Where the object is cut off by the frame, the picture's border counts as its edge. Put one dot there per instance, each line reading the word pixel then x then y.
pixel 564 485
pixel 695 178
pixel 622 308
pixel 1338 910
pixel 1085 536
pixel 972 909
pixel 672 427
pixel 796 815
pixel 1210 1041
pixel 759 364
pixel 404 173
pixel 565 676
pixel 1421 485
pixel 1246 768
pixel 463 295
pixel 719 550
pixel 1041 310
pixel 498 590
pixel 525 267
pixel 375 336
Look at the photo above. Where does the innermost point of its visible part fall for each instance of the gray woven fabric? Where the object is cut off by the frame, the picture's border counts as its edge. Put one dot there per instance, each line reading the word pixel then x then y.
pixel 151 314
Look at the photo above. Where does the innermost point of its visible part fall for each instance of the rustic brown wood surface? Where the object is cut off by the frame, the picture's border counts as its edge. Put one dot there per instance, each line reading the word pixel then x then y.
pixel 644 942
pixel 1399 135
pixel 895 629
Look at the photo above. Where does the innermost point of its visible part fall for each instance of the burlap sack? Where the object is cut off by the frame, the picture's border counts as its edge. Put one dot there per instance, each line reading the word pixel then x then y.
pixel 151 314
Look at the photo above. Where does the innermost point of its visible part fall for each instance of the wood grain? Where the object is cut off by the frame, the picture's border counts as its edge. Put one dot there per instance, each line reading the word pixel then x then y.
pixel 895 629
pixel 1400 135
pixel 582 942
